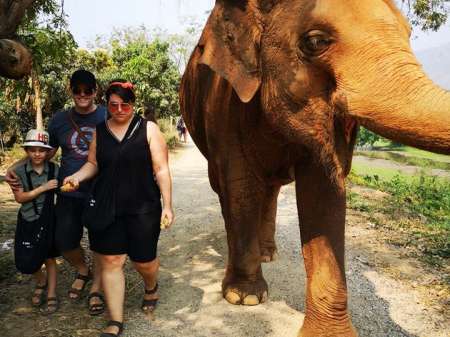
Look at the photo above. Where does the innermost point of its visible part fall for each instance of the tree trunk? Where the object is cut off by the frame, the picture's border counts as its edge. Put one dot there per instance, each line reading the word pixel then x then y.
pixel 37 100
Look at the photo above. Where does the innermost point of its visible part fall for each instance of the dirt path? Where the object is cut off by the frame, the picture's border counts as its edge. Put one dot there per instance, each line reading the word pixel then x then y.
pixel 193 256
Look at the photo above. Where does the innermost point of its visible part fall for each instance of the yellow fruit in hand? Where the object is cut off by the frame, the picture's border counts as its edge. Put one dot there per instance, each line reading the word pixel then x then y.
pixel 165 223
pixel 67 187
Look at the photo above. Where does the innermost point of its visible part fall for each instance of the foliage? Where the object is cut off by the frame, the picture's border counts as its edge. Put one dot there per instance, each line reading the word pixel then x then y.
pixel 143 58
pixel 366 138
pixel 426 196
pixel 426 14
pixel 415 211
pixel 44 32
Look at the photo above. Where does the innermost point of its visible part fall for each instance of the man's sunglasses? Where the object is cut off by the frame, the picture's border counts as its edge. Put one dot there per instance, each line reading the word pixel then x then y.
pixel 114 106
pixel 85 91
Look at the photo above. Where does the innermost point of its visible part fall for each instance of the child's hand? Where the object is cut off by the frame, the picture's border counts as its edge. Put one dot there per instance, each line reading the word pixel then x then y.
pixel 50 185
pixel 70 184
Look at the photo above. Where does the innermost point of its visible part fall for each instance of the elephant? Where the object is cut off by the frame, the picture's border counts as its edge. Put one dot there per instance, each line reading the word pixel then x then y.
pixel 274 92
pixel 15 58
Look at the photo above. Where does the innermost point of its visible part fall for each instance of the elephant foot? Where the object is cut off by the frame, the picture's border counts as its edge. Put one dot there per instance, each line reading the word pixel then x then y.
pixel 268 254
pixel 345 330
pixel 245 293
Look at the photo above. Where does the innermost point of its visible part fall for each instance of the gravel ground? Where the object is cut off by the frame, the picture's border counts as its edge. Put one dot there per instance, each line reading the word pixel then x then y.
pixel 193 256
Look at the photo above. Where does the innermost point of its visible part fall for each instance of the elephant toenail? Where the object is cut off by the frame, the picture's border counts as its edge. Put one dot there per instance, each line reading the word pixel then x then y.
pixel 251 300
pixel 232 297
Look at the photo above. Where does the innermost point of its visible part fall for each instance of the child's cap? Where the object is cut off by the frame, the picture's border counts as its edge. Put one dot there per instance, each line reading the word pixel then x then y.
pixel 37 138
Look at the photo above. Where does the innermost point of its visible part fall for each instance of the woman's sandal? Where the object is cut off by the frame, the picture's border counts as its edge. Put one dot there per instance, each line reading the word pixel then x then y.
pixel 149 305
pixel 110 334
pixel 96 308
pixel 74 293
pixel 52 306
pixel 39 294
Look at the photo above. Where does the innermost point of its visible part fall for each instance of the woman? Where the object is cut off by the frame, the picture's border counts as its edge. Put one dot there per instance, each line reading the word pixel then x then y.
pixel 128 153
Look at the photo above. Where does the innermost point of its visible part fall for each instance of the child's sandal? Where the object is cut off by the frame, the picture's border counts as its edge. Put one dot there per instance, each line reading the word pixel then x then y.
pixel 39 295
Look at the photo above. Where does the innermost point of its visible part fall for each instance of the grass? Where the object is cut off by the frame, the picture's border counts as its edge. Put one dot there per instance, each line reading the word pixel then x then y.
pixel 420 161
pixel 381 173
pixel 416 210
pixel 384 145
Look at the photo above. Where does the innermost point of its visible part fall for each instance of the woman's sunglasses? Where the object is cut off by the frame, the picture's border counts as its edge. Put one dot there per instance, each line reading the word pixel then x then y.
pixel 85 91
pixel 114 106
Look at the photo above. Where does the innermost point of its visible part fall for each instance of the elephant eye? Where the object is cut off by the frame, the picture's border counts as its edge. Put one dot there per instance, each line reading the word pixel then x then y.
pixel 315 42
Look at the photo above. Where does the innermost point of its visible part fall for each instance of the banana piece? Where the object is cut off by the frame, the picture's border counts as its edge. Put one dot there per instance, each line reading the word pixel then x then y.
pixel 165 223
pixel 67 187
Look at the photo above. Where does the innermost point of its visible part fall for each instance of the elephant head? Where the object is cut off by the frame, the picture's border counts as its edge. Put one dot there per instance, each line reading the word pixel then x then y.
pixel 317 63
pixel 15 59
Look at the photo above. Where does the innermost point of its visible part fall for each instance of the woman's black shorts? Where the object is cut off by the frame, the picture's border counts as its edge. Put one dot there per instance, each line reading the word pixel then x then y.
pixel 135 235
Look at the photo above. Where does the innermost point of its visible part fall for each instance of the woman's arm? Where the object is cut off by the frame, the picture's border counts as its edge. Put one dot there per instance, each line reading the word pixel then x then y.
pixel 86 172
pixel 160 163
pixel 22 197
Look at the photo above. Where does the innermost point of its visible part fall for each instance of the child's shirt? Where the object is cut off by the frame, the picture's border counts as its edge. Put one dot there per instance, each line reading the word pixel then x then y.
pixel 27 209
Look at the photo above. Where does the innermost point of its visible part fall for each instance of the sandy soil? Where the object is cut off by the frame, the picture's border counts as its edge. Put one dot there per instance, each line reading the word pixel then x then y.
pixel 389 295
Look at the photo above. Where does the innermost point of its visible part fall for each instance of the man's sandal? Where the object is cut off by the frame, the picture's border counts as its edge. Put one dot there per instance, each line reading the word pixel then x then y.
pixel 52 306
pixel 110 334
pixel 39 295
pixel 75 293
pixel 149 305
pixel 96 308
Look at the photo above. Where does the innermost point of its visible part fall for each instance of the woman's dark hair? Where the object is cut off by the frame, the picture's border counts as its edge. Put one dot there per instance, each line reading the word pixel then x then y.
pixel 121 88
pixel 149 113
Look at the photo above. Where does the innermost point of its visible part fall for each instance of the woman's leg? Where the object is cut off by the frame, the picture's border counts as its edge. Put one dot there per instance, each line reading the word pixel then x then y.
pixel 149 273
pixel 113 281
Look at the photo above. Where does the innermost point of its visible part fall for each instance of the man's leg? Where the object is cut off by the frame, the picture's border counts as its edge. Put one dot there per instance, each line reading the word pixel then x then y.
pixel 68 234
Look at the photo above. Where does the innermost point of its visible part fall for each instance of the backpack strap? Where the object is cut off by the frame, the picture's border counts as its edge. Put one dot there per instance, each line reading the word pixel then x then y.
pixel 51 171
pixel 30 185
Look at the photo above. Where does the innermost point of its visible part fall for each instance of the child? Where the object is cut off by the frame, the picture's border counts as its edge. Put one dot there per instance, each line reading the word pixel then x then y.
pixel 35 171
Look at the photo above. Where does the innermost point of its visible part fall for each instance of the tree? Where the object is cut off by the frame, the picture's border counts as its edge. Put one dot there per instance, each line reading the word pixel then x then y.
pixel 366 138
pixel 43 91
pixel 426 14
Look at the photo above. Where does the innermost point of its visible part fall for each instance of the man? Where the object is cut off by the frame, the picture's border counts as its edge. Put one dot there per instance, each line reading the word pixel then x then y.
pixel 72 130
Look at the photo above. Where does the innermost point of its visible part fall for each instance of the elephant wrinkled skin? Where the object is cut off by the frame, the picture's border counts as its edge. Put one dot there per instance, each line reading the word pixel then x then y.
pixel 274 92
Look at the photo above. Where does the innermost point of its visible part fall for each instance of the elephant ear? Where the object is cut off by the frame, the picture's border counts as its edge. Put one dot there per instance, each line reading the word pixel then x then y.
pixel 230 45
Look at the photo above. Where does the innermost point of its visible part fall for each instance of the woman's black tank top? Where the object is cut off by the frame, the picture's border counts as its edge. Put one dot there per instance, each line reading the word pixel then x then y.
pixel 129 163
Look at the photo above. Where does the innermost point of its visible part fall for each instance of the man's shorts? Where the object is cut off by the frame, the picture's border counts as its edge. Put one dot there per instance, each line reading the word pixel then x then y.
pixel 68 227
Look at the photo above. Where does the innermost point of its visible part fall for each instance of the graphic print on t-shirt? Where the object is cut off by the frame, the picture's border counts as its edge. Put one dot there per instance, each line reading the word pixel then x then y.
pixel 76 142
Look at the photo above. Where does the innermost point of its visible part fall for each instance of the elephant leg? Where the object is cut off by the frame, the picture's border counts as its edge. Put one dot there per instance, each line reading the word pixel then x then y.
pixel 241 197
pixel 321 209
pixel 266 230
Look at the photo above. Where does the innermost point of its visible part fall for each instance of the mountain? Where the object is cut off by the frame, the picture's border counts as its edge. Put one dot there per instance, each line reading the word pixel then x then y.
pixel 436 63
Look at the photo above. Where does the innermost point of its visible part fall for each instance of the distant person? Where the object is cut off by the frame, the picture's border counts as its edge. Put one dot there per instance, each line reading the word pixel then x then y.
pixel 37 177
pixel 181 128
pixel 129 158
pixel 72 130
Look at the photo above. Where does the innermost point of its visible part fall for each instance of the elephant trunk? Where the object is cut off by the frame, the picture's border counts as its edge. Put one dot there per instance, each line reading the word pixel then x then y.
pixel 15 59
pixel 411 110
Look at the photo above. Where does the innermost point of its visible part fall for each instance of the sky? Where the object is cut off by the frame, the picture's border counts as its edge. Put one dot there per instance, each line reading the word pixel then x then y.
pixel 89 18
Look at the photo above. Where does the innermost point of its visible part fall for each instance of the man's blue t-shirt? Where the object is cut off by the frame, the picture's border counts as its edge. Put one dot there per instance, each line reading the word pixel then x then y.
pixel 74 149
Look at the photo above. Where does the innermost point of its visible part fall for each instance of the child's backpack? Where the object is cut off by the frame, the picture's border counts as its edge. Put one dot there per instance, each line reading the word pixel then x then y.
pixel 33 239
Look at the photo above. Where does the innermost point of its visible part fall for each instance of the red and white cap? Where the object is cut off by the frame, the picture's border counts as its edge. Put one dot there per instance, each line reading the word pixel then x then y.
pixel 37 138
